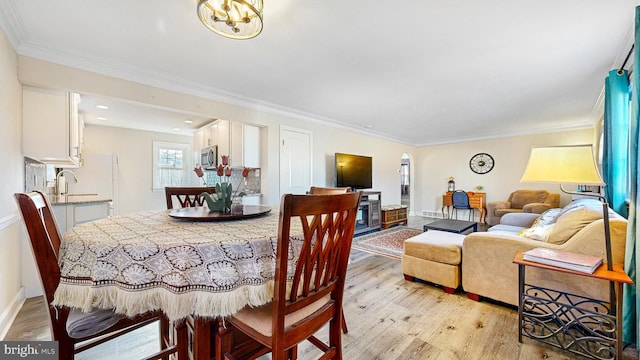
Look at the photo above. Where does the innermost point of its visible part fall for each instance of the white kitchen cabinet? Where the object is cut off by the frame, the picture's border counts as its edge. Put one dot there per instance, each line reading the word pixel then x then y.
pixel 240 141
pixel 236 147
pixel 198 141
pixel 70 215
pixel 222 138
pixel 251 146
pixel 245 145
pixel 52 127
pixel 252 199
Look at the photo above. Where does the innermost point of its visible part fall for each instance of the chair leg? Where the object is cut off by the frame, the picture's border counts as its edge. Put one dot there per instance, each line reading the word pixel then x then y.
pixel 223 342
pixel 181 340
pixel 165 330
pixel 335 339
pixel 344 324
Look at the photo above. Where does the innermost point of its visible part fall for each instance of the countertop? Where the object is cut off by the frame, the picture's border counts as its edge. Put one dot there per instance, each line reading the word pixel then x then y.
pixel 75 199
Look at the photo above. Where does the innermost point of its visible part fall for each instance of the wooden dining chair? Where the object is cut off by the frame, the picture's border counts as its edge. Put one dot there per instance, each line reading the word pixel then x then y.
pixel 315 190
pixel 71 326
pixel 187 196
pixel 328 191
pixel 309 294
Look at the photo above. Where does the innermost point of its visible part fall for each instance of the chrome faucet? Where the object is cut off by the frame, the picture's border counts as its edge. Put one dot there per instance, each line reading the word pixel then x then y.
pixel 66 188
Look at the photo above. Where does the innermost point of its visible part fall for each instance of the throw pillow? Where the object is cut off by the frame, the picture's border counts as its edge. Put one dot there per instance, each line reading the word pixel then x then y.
pixel 569 223
pixel 540 232
pixel 547 217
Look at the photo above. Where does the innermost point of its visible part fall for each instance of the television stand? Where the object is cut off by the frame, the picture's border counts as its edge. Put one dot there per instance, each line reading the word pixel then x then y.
pixel 369 216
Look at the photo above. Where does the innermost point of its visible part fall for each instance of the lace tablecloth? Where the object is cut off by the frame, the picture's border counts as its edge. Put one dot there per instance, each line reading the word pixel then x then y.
pixel 149 261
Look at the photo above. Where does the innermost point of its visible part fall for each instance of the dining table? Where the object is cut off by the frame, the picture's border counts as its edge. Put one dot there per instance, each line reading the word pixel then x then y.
pixel 195 266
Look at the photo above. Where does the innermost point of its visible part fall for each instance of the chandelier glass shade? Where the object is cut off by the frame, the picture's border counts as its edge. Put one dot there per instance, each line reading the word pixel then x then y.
pixel 235 19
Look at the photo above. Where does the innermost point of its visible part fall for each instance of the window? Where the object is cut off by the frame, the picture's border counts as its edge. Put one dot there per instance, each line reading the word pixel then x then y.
pixel 171 164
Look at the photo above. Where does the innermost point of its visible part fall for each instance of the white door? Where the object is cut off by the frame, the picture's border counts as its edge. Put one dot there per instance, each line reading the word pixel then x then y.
pixel 295 161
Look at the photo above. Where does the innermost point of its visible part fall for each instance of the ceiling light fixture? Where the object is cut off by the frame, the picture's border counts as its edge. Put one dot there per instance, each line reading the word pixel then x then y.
pixel 235 19
pixel 101 118
pixel 103 107
pixel 188 121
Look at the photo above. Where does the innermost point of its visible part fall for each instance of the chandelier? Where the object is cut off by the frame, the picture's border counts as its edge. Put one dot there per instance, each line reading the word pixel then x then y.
pixel 235 19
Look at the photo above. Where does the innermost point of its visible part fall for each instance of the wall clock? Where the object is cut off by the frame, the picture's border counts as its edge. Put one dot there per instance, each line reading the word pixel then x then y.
pixel 481 163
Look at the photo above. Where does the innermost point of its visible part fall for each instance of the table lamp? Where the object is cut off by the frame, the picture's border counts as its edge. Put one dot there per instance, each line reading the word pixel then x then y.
pixel 570 164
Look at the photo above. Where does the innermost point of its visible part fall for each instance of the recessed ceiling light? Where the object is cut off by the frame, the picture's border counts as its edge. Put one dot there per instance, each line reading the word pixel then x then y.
pixel 188 121
pixel 103 107
pixel 368 126
pixel 176 129
pixel 101 118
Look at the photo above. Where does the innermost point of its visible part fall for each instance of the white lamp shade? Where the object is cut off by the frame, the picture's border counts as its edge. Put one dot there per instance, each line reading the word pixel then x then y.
pixel 571 164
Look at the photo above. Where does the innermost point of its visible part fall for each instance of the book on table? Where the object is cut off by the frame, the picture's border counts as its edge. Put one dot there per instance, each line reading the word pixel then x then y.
pixel 564 259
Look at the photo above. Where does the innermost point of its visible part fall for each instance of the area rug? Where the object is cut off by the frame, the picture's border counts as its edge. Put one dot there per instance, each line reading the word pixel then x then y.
pixel 388 242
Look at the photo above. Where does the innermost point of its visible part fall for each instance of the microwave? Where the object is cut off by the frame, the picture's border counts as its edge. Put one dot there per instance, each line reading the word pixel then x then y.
pixel 209 157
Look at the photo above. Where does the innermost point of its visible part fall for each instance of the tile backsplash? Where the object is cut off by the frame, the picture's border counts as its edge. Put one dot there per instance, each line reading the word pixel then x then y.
pixel 250 184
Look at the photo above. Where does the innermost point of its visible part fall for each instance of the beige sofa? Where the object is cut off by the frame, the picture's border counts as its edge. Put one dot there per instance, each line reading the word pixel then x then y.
pixel 487 257
pixel 528 201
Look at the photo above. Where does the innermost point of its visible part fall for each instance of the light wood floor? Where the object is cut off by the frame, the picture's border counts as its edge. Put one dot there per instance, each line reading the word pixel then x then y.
pixel 388 318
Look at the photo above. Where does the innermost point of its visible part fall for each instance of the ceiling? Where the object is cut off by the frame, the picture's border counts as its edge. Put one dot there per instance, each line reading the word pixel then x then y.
pixel 413 71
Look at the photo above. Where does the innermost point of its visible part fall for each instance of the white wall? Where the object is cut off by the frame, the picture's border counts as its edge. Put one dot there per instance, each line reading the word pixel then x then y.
pixel 134 149
pixel 436 163
pixel 11 181
pixel 327 140
pixel 430 165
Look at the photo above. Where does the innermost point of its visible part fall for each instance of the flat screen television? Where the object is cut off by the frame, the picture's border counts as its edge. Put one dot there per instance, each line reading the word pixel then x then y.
pixel 354 171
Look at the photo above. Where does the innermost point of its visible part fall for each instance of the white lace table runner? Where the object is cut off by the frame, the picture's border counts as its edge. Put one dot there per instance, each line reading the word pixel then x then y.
pixel 149 261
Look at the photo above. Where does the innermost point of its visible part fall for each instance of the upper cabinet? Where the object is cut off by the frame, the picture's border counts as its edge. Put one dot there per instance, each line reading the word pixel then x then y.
pixel 52 127
pixel 240 141
pixel 245 149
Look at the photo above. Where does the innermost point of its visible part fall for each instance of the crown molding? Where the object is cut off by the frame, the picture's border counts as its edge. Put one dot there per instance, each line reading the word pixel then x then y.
pixel 12 25
pixel 542 130
pixel 126 72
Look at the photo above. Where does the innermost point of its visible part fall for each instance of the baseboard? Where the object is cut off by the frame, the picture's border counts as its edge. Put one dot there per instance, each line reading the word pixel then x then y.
pixel 9 314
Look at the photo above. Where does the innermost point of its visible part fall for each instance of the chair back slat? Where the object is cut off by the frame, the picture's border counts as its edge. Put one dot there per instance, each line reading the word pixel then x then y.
pixel 460 199
pixel 187 196
pixel 315 190
pixel 44 237
pixel 328 223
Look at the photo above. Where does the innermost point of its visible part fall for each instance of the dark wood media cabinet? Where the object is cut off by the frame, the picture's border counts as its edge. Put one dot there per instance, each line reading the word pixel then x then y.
pixel 369 212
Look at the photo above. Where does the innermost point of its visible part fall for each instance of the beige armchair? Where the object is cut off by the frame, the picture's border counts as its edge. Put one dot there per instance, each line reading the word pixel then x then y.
pixel 528 201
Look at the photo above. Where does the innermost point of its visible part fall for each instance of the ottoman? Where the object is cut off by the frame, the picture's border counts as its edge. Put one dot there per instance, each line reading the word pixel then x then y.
pixel 434 256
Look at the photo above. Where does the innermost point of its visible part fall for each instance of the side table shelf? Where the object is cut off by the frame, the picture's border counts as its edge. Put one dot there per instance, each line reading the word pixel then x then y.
pixel 585 326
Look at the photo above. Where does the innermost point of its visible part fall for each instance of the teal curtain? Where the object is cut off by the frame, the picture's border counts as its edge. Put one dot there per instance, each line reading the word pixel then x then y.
pixel 615 158
pixel 631 303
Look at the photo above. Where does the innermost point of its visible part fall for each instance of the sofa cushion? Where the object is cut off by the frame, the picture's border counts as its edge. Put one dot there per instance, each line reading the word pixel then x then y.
pixel 522 197
pixel 569 223
pixel 507 211
pixel 439 246
pixel 540 232
pixel 506 229
pixel 548 217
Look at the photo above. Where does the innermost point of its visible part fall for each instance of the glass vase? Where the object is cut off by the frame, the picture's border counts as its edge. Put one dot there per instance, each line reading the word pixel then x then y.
pixel 236 205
